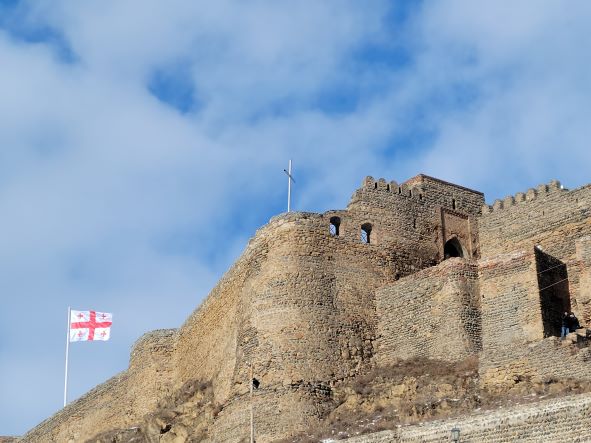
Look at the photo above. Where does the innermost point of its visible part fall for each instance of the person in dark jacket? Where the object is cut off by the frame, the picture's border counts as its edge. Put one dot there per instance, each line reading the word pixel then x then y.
pixel 573 322
pixel 565 325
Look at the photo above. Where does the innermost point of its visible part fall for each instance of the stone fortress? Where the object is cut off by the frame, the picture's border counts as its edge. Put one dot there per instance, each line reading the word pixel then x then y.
pixel 419 269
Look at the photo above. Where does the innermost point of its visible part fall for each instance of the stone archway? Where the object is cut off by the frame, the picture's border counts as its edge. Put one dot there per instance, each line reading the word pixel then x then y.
pixel 453 248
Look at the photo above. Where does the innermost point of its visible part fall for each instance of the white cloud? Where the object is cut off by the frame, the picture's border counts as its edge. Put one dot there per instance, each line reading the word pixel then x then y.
pixel 110 196
pixel 525 66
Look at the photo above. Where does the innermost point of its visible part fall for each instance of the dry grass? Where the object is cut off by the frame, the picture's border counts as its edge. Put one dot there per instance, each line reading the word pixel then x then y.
pixel 425 390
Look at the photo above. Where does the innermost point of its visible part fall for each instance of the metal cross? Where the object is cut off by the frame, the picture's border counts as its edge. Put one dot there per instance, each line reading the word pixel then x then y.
pixel 289 180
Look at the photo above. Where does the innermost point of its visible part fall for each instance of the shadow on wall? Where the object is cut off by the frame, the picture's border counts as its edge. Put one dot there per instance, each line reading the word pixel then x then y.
pixel 554 291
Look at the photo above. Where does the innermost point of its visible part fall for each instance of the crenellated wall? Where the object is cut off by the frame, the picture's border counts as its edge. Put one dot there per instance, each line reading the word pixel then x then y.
pixel 421 211
pixel 550 218
pixel 307 307
pixel 540 192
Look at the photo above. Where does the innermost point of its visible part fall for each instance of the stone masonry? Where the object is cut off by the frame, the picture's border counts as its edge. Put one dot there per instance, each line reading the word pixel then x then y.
pixel 418 269
pixel 567 420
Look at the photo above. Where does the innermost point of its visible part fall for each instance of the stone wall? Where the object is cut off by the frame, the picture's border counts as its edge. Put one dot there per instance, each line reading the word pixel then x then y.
pixel 434 313
pixel 121 401
pixel 548 216
pixel 513 343
pixel 422 211
pixel 305 307
pixel 564 420
pixel 299 305
pixel 583 247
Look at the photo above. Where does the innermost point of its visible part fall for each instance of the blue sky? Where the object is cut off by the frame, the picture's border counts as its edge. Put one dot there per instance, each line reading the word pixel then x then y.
pixel 142 143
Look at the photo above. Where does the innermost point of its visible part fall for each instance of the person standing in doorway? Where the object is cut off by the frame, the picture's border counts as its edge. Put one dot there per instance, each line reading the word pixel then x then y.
pixel 565 325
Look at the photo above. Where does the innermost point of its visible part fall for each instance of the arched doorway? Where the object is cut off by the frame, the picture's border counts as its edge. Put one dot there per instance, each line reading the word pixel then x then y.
pixel 453 248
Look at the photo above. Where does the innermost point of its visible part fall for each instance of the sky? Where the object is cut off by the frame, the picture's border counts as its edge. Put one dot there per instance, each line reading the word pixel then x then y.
pixel 143 142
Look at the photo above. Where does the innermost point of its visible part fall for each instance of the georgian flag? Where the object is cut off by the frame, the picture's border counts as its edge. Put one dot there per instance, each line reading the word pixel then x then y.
pixel 90 325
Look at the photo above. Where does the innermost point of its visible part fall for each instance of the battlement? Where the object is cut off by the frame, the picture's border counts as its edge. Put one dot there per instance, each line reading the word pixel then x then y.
pixel 419 191
pixel 408 270
pixel 414 187
pixel 531 194
pixel 420 179
pixel 392 187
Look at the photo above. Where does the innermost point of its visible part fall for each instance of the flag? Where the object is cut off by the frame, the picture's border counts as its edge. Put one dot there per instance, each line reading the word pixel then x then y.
pixel 90 325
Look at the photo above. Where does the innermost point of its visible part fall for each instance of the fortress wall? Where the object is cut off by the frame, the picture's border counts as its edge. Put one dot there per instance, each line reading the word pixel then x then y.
pixel 277 412
pixel 561 420
pixel 548 216
pixel 209 339
pixel 441 193
pixel 510 302
pixel 511 313
pixel 299 305
pixel 394 217
pixel 432 314
pixel 513 327
pixel 121 401
pixel 456 209
pixel 423 211
pixel 583 246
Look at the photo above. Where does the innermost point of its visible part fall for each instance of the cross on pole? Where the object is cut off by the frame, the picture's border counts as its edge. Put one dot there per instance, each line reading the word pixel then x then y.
pixel 289 180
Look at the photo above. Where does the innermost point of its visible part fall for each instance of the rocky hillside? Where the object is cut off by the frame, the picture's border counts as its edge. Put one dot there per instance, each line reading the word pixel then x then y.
pixel 406 393
pixel 183 417
pixel 421 390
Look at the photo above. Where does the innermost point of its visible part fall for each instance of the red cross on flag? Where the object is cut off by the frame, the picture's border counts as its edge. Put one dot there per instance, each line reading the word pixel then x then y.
pixel 90 325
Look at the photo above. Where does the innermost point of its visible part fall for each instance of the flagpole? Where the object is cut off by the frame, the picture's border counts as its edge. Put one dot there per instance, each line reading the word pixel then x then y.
pixel 251 405
pixel 67 352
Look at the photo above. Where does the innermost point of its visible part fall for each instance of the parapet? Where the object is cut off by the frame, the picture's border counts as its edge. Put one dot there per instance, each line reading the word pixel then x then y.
pixel 522 197
pixel 155 343
pixel 404 189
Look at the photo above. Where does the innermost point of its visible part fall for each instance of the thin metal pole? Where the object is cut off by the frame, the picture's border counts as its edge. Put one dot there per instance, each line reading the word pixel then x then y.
pixel 251 400
pixel 67 352
pixel 289 187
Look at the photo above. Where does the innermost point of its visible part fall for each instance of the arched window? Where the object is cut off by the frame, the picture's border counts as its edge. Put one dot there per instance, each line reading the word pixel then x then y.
pixel 335 223
pixel 366 233
pixel 453 203
pixel 453 248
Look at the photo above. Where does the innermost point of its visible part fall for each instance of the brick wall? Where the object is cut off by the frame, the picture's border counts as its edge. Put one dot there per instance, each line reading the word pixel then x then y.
pixel 548 216
pixel 513 344
pixel 423 211
pixel 564 420
pixel 583 247
pixel 433 313
pixel 299 305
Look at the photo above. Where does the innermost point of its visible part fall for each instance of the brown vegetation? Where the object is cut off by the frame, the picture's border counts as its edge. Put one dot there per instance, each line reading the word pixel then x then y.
pixel 184 416
pixel 418 390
